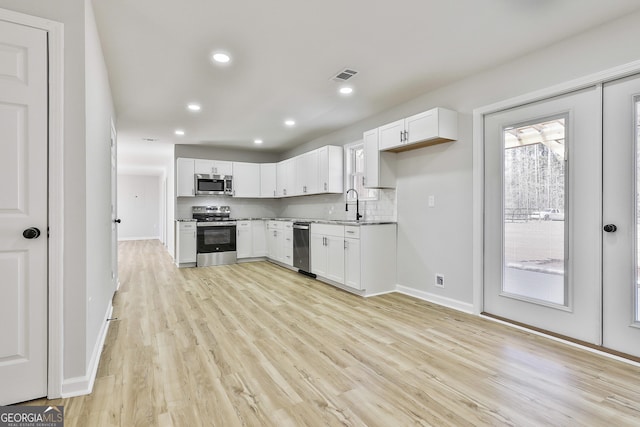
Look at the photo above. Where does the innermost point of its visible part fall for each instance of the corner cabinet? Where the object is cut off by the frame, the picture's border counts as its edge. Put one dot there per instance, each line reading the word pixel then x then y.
pixel 430 127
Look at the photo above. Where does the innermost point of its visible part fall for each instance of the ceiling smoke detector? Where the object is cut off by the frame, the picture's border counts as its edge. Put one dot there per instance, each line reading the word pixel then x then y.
pixel 150 139
pixel 344 75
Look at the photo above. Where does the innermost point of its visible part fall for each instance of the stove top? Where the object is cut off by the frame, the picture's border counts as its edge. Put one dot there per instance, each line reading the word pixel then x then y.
pixel 211 213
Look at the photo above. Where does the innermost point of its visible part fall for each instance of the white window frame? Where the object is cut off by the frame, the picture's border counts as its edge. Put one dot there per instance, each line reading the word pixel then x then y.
pixel 365 194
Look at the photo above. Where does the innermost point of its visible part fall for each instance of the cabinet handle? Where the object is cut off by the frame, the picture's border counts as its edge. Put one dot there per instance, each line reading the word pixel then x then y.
pixel 284 191
pixel 363 181
pixel 401 136
pixel 325 186
pixel 274 193
pixel 350 232
pixel 345 244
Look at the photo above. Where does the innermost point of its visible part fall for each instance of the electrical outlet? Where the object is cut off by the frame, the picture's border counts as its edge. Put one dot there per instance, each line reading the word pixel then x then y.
pixel 431 201
pixel 439 280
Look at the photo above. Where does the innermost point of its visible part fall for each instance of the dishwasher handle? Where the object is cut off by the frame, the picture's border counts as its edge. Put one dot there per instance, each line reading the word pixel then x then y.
pixel 301 226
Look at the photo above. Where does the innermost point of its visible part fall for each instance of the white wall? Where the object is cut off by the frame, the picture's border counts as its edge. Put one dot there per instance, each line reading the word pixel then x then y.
pixel 139 207
pixel 439 239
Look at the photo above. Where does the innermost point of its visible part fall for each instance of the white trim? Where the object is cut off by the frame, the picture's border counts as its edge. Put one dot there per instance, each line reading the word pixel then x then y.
pixel 55 32
pixel 377 294
pixel 79 386
pixel 602 77
pixel 436 299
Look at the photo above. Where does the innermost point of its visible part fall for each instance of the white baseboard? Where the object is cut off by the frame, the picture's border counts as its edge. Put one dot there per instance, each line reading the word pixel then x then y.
pixel 436 299
pixel 79 386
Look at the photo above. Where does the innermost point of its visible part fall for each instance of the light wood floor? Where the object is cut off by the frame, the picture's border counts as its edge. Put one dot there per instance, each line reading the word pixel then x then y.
pixel 258 345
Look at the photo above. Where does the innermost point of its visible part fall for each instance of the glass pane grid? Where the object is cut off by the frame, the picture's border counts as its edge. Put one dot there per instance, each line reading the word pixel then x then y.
pixel 534 211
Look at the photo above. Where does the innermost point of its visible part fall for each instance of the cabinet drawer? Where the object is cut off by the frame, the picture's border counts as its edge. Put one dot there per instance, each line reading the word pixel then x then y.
pixel 274 225
pixel 328 229
pixel 352 232
pixel 243 224
pixel 187 225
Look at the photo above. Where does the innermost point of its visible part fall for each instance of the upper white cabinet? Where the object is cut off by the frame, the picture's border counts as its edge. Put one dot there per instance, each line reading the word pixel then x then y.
pixel 268 180
pixel 427 128
pixel 246 179
pixel 306 170
pixel 285 178
pixel 213 167
pixel 185 186
pixel 379 166
pixel 330 169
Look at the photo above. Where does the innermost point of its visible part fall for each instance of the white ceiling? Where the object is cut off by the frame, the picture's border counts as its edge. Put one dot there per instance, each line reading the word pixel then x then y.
pixel 286 51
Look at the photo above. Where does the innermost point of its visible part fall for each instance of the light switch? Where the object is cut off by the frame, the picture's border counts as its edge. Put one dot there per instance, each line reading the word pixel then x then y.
pixel 432 201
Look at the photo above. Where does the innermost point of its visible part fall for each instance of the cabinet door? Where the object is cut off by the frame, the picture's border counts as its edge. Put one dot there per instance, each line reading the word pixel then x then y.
pixel 318 255
pixel 371 159
pixel 185 177
pixel 330 169
pixel 203 166
pixel 268 180
pixel 186 243
pixel 310 172
pixel 288 246
pixel 421 126
pixel 272 243
pixel 221 167
pixel 284 180
pixel 390 135
pixel 244 243
pixel 259 236
pixel 246 179
pixel 335 258
pixel 352 263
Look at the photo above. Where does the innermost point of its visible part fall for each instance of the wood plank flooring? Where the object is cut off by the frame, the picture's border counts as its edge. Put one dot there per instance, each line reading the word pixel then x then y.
pixel 258 345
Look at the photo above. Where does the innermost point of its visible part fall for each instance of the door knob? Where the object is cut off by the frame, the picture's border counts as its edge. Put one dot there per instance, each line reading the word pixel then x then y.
pixel 118 221
pixel 31 233
pixel 610 228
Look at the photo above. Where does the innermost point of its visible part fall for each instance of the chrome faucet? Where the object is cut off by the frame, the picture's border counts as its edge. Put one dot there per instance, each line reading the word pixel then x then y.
pixel 346 205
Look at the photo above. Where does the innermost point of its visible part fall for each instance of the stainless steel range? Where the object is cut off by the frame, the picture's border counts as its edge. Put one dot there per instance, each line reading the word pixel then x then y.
pixel 216 236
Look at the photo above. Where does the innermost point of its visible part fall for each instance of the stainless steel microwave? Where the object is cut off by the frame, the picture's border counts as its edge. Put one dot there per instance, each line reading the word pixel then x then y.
pixel 206 185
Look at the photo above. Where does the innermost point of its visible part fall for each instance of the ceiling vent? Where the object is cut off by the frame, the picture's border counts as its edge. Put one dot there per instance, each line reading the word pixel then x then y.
pixel 344 75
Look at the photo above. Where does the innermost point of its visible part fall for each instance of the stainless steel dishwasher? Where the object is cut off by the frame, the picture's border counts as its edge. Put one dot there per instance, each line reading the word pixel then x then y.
pixel 301 253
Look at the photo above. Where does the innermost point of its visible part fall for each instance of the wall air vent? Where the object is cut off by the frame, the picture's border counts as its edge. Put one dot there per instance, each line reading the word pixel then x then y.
pixel 344 75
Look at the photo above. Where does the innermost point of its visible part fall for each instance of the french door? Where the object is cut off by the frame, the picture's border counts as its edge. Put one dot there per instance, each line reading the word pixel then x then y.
pixel 561 215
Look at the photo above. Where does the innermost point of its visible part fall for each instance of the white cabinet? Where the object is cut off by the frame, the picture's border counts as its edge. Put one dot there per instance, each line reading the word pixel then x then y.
pixel 244 239
pixel 186 244
pixel 379 166
pixel 259 237
pixel 246 179
pixel 352 261
pixel 268 180
pixel 185 185
pixel 213 167
pixel 427 128
pixel 330 169
pixel 288 244
pixel 275 240
pixel 306 170
pixel 285 178
pixel 327 251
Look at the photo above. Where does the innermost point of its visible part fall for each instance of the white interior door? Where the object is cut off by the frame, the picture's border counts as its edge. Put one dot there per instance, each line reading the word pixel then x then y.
pixel 543 176
pixel 23 209
pixel 114 208
pixel 621 208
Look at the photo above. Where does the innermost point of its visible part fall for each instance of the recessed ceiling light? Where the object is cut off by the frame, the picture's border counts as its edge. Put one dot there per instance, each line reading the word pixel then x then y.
pixel 194 107
pixel 346 90
pixel 257 141
pixel 290 122
pixel 221 57
pixel 179 132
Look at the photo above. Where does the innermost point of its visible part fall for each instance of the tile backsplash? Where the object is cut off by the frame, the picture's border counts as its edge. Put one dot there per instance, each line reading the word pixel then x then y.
pixel 322 206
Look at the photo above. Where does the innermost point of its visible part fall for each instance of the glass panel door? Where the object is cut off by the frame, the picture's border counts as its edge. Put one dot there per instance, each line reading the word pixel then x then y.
pixel 542 214
pixel 621 215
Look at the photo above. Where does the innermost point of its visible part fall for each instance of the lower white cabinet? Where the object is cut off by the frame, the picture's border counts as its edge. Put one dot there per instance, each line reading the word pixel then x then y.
pixel 259 238
pixel 327 251
pixel 186 244
pixel 358 258
pixel 251 239
pixel 244 239
pixel 280 241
